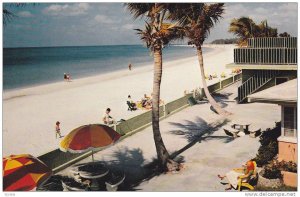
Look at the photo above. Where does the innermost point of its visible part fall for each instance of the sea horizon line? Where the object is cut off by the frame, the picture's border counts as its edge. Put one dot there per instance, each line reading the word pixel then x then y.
pixel 66 46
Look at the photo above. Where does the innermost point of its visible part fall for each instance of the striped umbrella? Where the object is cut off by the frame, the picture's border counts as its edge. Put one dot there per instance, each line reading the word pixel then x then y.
pixel 89 138
pixel 23 172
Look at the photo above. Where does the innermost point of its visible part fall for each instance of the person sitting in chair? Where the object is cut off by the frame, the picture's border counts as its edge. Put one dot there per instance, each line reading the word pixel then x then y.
pixel 107 119
pixel 131 104
pixel 238 173
pixel 145 100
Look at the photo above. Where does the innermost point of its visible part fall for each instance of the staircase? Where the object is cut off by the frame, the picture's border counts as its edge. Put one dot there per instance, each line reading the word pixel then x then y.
pixel 255 82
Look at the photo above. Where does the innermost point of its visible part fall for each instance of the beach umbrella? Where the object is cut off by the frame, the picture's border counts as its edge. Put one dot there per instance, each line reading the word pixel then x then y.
pixel 24 172
pixel 89 138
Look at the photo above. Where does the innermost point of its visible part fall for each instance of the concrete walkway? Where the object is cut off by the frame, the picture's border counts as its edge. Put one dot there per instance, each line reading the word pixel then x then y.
pixel 206 149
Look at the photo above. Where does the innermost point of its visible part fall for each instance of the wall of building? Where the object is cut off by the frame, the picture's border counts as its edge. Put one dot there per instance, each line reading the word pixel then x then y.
pixel 287 151
pixel 246 74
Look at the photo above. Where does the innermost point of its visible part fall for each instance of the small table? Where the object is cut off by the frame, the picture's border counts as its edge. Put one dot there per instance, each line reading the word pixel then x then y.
pixel 243 126
pixel 91 171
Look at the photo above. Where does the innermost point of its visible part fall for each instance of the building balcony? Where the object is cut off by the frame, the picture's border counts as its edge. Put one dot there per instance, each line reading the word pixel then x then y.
pixel 272 42
pixel 265 56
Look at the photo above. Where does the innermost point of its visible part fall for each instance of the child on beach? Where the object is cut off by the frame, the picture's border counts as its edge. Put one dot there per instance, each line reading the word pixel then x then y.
pixel 57 130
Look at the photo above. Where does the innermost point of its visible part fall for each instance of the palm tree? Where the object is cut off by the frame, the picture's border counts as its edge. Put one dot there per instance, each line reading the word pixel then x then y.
pixel 266 31
pixel 284 34
pixel 8 15
pixel 156 35
pixel 197 19
pixel 244 28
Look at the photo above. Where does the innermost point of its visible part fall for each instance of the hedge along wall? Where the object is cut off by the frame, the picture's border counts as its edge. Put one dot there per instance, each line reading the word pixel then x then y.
pixel 226 82
pixel 175 105
pixel 222 84
pixel 137 122
pixel 145 119
pixel 56 158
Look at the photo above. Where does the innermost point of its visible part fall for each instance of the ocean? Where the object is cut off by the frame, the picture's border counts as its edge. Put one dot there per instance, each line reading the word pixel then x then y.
pixel 26 67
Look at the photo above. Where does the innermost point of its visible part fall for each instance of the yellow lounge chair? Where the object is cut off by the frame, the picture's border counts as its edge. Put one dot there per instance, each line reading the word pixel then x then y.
pixel 248 184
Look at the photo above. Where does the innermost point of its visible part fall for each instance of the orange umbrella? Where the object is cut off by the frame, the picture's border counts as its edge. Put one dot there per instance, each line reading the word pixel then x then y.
pixel 23 172
pixel 89 137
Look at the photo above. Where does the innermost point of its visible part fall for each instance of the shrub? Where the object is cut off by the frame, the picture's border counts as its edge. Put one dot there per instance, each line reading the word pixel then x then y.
pixel 269 145
pixel 288 166
pixel 272 171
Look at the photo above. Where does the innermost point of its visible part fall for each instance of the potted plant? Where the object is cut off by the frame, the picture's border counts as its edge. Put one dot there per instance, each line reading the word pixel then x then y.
pixel 270 176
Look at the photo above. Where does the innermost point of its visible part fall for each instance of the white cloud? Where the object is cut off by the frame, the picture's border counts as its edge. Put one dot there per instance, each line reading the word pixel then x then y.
pixel 103 19
pixel 26 14
pixel 67 9
pixel 129 26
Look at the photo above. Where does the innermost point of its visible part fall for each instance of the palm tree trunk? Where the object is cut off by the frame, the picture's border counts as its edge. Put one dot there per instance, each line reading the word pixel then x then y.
pixel 211 100
pixel 162 153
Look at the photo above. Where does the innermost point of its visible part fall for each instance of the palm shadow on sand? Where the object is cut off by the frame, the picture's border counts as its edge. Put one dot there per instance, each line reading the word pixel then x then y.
pixel 198 131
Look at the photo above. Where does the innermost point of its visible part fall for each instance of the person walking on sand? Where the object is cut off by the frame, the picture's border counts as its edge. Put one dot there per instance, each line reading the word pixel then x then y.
pixel 57 130
pixel 67 77
pixel 129 66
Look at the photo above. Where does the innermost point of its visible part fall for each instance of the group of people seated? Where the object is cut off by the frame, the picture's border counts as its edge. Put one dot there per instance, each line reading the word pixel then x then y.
pixel 210 77
pixel 236 71
pixel 144 103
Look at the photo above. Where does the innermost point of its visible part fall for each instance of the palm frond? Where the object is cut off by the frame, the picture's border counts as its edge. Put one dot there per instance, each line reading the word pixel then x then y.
pixel 7 16
pixel 140 9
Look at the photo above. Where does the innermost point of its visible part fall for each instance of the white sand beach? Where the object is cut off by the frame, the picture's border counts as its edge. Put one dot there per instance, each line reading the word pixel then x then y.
pixel 29 114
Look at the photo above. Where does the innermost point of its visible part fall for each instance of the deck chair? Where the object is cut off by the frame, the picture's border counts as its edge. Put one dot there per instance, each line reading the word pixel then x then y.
pixel 230 131
pixel 115 180
pixel 252 180
pixel 130 107
pixel 254 132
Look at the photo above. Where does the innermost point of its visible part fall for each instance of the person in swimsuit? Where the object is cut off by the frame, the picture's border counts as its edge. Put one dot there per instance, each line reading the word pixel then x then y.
pixel 238 173
pixel 57 130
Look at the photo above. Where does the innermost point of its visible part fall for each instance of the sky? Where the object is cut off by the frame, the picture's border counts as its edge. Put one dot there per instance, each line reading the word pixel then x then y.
pixel 91 24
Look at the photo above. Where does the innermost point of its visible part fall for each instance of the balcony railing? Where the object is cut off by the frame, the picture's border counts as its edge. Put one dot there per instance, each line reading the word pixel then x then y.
pixel 255 82
pixel 272 42
pixel 265 56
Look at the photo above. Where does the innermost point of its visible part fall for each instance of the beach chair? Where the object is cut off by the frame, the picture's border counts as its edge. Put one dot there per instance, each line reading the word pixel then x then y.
pixel 115 180
pixel 254 132
pixel 251 181
pixel 231 131
pixel 130 107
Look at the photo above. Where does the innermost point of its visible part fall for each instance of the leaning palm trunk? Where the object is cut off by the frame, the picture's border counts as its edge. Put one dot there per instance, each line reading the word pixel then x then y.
pixel 162 153
pixel 211 100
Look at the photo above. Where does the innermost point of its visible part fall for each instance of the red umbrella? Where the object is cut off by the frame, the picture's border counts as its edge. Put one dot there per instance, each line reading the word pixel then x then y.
pixel 89 137
pixel 23 172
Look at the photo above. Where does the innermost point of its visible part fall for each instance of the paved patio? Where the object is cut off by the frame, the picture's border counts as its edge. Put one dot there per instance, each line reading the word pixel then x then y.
pixel 205 149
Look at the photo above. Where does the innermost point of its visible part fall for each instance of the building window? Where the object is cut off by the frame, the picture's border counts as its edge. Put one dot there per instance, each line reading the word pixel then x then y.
pixel 290 121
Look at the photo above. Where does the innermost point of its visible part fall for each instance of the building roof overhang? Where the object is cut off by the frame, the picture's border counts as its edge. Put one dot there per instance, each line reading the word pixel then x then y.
pixel 282 94
pixel 263 66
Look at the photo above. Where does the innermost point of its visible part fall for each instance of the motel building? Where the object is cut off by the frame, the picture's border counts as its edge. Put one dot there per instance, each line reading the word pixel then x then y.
pixel 269 75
